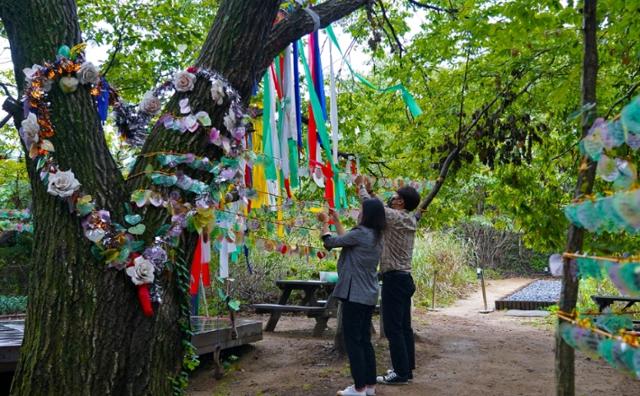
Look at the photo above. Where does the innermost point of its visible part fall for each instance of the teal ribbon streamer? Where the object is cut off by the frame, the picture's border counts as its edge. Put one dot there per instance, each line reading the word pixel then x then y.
pixel 270 168
pixel 409 100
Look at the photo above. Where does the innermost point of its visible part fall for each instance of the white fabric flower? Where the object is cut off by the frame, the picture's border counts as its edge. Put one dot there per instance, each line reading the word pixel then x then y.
pixel 230 120
pixel 217 91
pixel 150 103
pixel 30 129
pixel 68 84
pixel 88 73
pixel 29 72
pixel 63 184
pixel 184 81
pixel 141 272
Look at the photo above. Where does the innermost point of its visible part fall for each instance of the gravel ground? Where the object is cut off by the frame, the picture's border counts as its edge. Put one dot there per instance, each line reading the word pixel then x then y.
pixel 540 290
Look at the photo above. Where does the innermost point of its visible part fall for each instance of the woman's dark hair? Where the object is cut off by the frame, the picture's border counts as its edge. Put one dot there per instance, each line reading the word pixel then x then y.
pixel 373 215
pixel 410 197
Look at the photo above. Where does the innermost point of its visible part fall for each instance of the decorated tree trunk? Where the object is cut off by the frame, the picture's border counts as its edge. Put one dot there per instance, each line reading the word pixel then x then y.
pixel 85 332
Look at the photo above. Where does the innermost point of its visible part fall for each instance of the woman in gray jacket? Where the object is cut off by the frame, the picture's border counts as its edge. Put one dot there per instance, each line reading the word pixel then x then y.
pixel 357 288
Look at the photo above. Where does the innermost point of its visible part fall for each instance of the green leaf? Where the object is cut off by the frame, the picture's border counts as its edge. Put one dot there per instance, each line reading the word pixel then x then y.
pixel 133 219
pixel 137 230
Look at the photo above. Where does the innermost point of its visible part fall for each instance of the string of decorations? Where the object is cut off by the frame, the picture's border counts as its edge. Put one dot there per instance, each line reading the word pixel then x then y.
pixel 119 245
pixel 608 335
pixel 623 272
pixel 597 339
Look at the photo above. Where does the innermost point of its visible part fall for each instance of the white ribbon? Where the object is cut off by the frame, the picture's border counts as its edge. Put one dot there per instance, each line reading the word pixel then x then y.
pixel 333 109
pixel 314 16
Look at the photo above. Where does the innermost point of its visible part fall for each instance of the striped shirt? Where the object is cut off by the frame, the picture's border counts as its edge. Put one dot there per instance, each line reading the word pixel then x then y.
pixel 398 237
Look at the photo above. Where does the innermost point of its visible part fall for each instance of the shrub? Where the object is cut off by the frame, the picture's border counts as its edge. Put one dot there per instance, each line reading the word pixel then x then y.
pixel 13 304
pixel 451 258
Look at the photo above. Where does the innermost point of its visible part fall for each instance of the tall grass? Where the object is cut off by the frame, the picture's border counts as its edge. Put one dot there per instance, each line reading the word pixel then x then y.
pixel 447 256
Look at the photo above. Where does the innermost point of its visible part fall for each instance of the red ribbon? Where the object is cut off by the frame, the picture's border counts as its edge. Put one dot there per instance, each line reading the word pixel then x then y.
pixel 144 297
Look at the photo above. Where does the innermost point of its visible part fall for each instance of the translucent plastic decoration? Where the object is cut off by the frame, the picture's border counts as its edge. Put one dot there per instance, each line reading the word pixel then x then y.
pixel 592 145
pixel 588 216
pixel 615 134
pixel 630 116
pixel 627 175
pixel 629 276
pixel 589 268
pixel 607 168
pixel 627 206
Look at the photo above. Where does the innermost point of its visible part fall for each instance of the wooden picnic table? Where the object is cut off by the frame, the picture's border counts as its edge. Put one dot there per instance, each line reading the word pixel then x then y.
pixel 605 301
pixel 321 311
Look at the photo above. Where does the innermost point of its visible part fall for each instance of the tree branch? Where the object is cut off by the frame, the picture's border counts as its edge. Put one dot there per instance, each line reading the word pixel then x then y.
pixel 393 31
pixel 300 23
pixel 450 11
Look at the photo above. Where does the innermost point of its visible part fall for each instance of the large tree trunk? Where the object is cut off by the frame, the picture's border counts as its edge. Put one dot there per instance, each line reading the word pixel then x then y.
pixel 85 333
pixel 565 375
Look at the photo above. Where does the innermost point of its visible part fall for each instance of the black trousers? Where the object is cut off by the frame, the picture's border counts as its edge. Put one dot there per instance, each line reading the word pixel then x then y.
pixel 397 289
pixel 356 325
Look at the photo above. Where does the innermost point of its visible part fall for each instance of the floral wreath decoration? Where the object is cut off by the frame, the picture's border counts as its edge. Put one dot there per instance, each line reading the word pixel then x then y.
pixel 116 244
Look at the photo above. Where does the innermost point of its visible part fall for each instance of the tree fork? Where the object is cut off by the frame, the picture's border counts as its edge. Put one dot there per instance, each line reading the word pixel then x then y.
pixel 564 362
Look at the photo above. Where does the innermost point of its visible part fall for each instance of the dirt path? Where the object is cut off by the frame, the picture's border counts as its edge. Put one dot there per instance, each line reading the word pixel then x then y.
pixel 460 352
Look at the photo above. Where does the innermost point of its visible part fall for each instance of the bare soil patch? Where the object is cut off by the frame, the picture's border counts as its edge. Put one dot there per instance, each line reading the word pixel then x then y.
pixel 459 352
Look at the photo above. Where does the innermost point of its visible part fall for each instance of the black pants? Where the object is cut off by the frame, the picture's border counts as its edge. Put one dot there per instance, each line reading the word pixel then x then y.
pixel 356 324
pixel 397 289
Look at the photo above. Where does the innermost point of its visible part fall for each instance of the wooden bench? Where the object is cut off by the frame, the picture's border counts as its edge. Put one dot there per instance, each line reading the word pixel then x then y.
pixel 605 301
pixel 321 310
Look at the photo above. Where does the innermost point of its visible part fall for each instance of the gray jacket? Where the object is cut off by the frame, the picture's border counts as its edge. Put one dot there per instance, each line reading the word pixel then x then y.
pixel 357 265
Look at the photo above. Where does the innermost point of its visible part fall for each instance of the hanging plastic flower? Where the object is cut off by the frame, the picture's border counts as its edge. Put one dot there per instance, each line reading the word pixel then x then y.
pixel 63 184
pixel 217 91
pixel 68 84
pixel 30 129
pixel 141 272
pixel 88 74
pixel 184 81
pixel 150 104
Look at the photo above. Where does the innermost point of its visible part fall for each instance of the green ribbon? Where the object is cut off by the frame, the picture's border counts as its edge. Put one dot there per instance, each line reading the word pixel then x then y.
pixel 269 166
pixel 406 95
pixel 317 110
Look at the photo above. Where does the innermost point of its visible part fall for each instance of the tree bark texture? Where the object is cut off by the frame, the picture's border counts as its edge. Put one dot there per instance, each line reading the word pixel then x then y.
pixel 564 363
pixel 85 333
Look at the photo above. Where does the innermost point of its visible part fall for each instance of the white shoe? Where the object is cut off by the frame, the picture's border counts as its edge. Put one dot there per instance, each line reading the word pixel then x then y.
pixel 370 391
pixel 351 391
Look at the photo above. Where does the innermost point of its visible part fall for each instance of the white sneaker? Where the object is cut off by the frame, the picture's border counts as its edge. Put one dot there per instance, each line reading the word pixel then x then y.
pixel 351 391
pixel 370 391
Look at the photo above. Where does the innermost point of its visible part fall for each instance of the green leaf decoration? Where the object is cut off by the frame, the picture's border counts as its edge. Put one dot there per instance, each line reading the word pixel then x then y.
pixel 124 254
pixel 97 253
pixel 40 163
pixel 163 229
pixel 163 180
pixel 137 230
pixel 140 197
pixel 221 294
pixel 136 246
pixel 118 227
pixel 84 205
pixel 133 219
pixel 65 51
pixel 110 255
